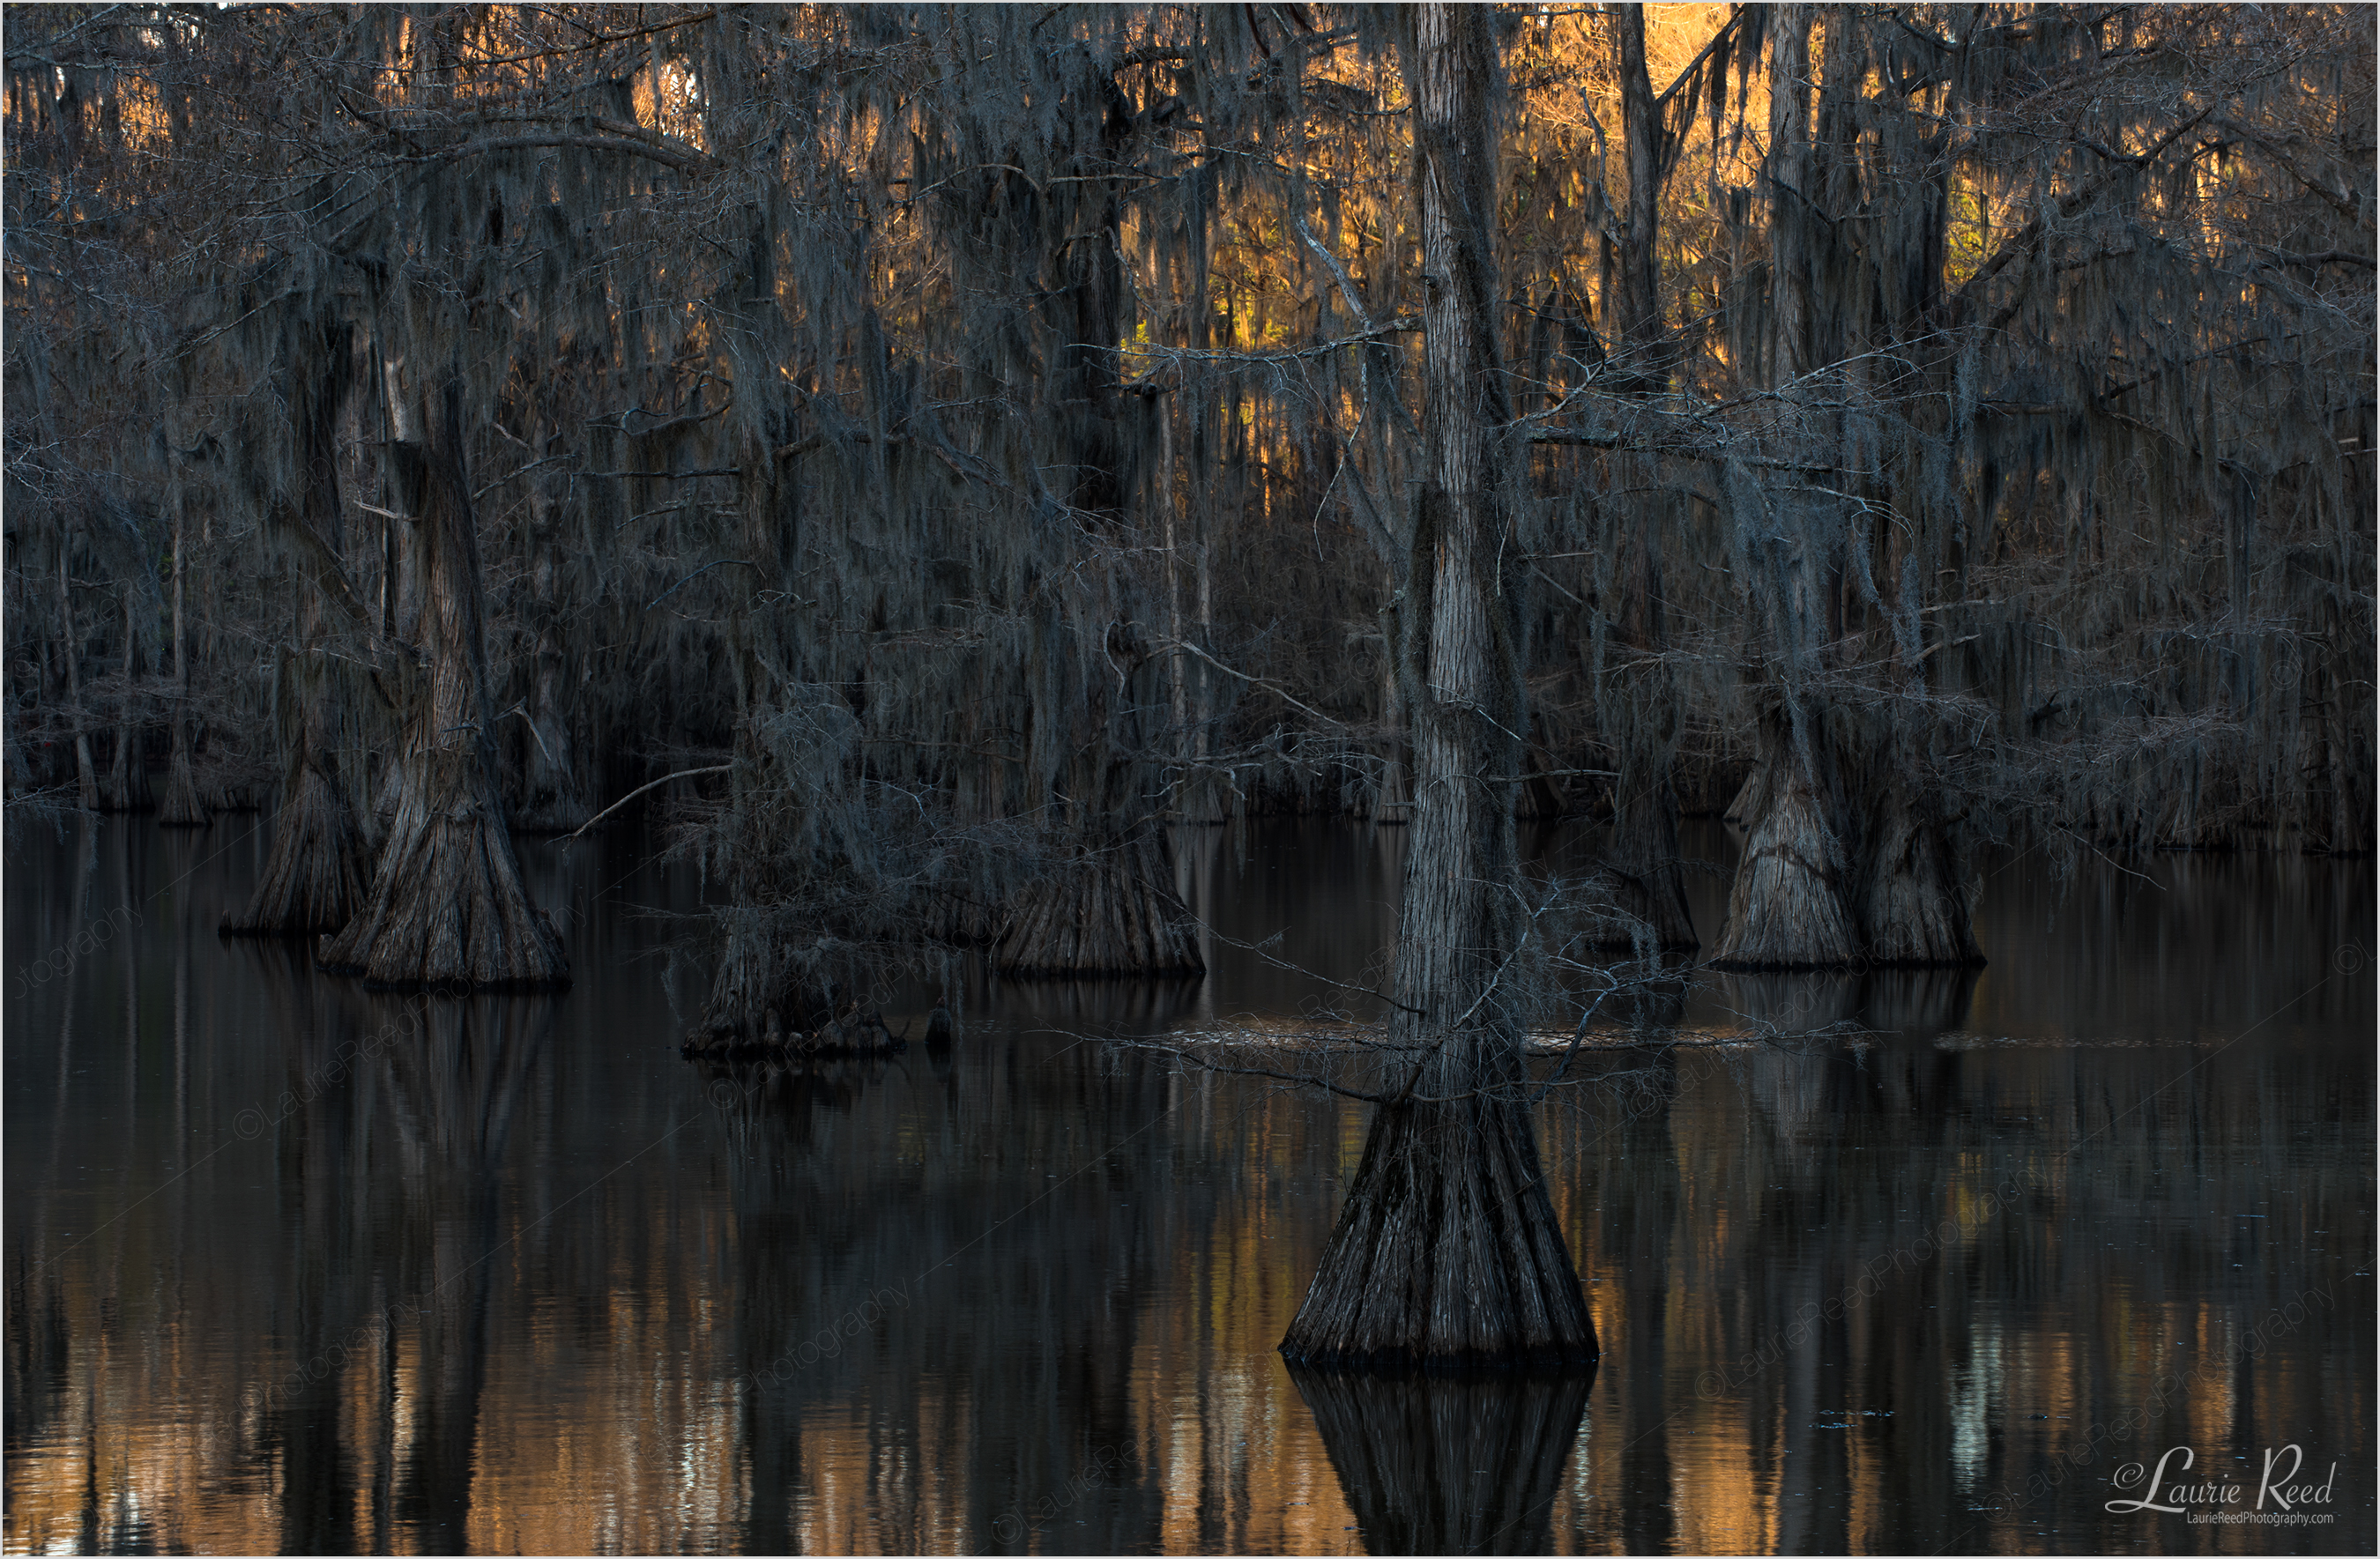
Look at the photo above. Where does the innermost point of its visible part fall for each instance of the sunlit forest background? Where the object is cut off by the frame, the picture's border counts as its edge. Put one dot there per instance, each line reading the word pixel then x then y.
pixel 917 454
pixel 913 491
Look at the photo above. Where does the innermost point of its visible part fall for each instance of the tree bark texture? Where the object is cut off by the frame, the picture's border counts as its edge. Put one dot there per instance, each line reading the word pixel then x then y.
pixel 317 875
pixel 184 808
pixel 1640 701
pixel 86 772
pixel 1108 912
pixel 448 907
pixel 1447 1253
pixel 1790 906
pixel 127 780
pixel 1846 863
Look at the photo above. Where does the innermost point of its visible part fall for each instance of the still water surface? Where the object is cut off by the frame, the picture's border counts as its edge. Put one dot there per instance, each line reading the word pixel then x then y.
pixel 293 1267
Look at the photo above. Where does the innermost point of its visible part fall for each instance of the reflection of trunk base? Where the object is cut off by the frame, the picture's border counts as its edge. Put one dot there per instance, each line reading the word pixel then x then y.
pixel 451 913
pixel 1449 1465
pixel 1446 1256
pixel 316 877
pixel 1111 912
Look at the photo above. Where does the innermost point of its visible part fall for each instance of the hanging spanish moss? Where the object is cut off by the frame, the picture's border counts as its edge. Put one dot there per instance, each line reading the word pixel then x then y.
pixel 918 456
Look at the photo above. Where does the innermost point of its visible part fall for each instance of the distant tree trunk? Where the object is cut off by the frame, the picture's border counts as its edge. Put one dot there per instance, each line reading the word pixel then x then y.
pixel 551 799
pixel 448 907
pixel 1640 705
pixel 1793 903
pixel 127 782
pixel 1446 1252
pixel 1847 857
pixel 183 807
pixel 1108 905
pixel 318 871
pixel 1109 909
pixel 86 772
pixel 1790 906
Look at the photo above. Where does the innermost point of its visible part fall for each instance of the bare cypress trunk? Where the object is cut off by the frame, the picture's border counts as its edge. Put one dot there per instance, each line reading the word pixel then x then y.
pixel 184 808
pixel 551 799
pixel 319 871
pixel 449 907
pixel 1110 911
pixel 1641 863
pixel 86 772
pixel 1915 908
pixel 1638 702
pixel 1446 1252
pixel 128 779
pixel 317 875
pixel 1792 904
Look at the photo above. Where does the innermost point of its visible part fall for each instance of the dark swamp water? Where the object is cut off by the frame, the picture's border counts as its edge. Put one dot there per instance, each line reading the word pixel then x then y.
pixel 293 1267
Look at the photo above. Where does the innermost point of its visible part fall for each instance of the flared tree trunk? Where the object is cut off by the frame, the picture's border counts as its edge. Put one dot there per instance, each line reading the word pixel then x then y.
pixel 448 908
pixel 86 772
pixel 319 871
pixel 1642 866
pixel 1447 1253
pixel 1914 904
pixel 1847 860
pixel 317 875
pixel 1792 905
pixel 184 808
pixel 1110 911
pixel 128 779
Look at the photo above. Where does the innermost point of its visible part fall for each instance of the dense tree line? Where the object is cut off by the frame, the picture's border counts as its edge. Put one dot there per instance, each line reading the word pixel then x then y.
pixel 927 451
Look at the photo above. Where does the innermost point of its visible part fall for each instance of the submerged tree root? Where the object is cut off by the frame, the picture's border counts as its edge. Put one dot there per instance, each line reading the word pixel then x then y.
pixel 316 877
pixel 1447 1255
pixel 1110 913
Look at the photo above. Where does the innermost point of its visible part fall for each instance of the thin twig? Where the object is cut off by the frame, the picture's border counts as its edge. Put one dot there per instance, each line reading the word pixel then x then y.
pixel 681 774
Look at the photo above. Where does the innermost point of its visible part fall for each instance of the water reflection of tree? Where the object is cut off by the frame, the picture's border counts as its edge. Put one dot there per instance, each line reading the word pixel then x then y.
pixel 393 1239
pixel 454 1092
pixel 1793 1335
pixel 996 1319
pixel 1449 1465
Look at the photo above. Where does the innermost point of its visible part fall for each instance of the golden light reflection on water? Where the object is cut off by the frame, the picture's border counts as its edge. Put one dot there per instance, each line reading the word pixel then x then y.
pixel 1861 1301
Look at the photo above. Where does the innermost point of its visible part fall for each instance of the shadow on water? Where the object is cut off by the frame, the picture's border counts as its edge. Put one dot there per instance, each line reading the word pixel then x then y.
pixel 1439 1463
